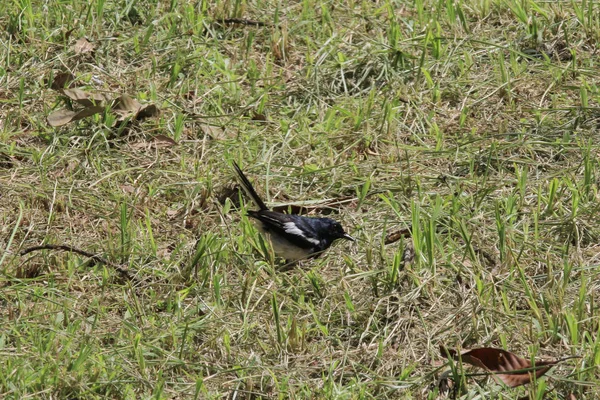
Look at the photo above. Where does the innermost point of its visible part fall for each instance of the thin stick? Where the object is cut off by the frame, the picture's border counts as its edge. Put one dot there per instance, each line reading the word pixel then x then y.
pixel 96 258
pixel 240 21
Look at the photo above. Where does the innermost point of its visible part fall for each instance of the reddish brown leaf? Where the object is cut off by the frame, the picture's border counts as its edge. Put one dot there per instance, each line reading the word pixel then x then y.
pixel 63 117
pixel 508 368
pixel 83 46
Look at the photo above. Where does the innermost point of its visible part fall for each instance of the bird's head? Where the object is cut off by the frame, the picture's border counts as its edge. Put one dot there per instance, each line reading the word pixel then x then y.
pixel 336 231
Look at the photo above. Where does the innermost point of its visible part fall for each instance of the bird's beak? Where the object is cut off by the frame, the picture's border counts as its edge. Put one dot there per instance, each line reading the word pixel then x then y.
pixel 348 237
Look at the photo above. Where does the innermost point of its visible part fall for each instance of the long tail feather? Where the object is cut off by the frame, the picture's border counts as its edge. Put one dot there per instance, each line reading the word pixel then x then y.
pixel 249 188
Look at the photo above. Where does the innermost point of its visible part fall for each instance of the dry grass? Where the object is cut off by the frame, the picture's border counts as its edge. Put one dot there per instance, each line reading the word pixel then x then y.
pixel 472 123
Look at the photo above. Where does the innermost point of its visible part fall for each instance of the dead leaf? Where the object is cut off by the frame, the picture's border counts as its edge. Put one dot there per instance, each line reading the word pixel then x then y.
pixel 191 95
pixel 139 145
pixel 134 17
pixel 240 21
pixel 514 371
pixel 64 116
pixel 165 140
pixel 147 111
pixel 445 384
pixel 68 33
pixel 408 256
pixel 6 161
pixel 126 105
pixel 30 270
pixel 62 80
pixel 292 209
pixel 229 192
pixel 396 235
pixel 259 117
pixel 84 98
pixel 322 207
pixel 65 170
pixel 214 132
pixel 128 189
pixel 83 46
pixel 173 213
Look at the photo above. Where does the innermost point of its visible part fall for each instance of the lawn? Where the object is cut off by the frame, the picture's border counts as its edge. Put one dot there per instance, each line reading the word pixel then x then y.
pixel 457 141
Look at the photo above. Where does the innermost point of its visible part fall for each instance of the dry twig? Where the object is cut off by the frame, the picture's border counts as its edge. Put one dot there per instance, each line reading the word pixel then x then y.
pixel 94 257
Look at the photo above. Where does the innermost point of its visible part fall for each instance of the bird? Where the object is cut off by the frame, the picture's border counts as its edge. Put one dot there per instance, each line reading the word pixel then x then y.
pixel 293 237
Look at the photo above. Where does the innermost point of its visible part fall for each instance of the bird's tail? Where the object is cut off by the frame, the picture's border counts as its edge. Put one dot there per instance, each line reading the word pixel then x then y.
pixel 248 187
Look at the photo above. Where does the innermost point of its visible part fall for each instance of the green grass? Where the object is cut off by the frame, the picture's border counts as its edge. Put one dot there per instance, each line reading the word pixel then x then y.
pixel 473 123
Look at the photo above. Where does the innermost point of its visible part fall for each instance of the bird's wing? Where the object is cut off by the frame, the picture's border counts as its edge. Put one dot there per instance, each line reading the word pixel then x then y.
pixel 295 228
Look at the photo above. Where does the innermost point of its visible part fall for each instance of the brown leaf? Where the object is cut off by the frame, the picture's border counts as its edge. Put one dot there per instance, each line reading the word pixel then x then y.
pixel 173 213
pixel 60 117
pixel 6 161
pixel 259 117
pixel 84 98
pixel 134 17
pixel 68 33
pixel 292 209
pixel 214 132
pixel 165 140
pixel 125 107
pixel 128 189
pixel 191 95
pixel 396 235
pixel 229 192
pixel 445 384
pixel 126 104
pixel 323 207
pixel 64 116
pixel 62 80
pixel 514 370
pixel 83 46
pixel 147 111
pixel 240 21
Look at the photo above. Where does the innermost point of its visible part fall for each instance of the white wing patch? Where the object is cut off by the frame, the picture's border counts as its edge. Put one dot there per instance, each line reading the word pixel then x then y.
pixel 291 228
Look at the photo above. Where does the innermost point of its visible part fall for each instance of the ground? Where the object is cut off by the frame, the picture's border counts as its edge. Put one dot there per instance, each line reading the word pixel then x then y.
pixel 457 141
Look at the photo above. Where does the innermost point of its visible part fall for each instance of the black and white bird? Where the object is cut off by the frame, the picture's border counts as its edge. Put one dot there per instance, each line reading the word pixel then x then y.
pixel 293 237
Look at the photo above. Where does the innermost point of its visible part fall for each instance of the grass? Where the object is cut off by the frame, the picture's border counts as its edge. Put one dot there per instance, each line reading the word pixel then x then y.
pixel 470 127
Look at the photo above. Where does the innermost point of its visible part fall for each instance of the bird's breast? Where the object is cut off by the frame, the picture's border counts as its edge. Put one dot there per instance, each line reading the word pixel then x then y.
pixel 287 250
